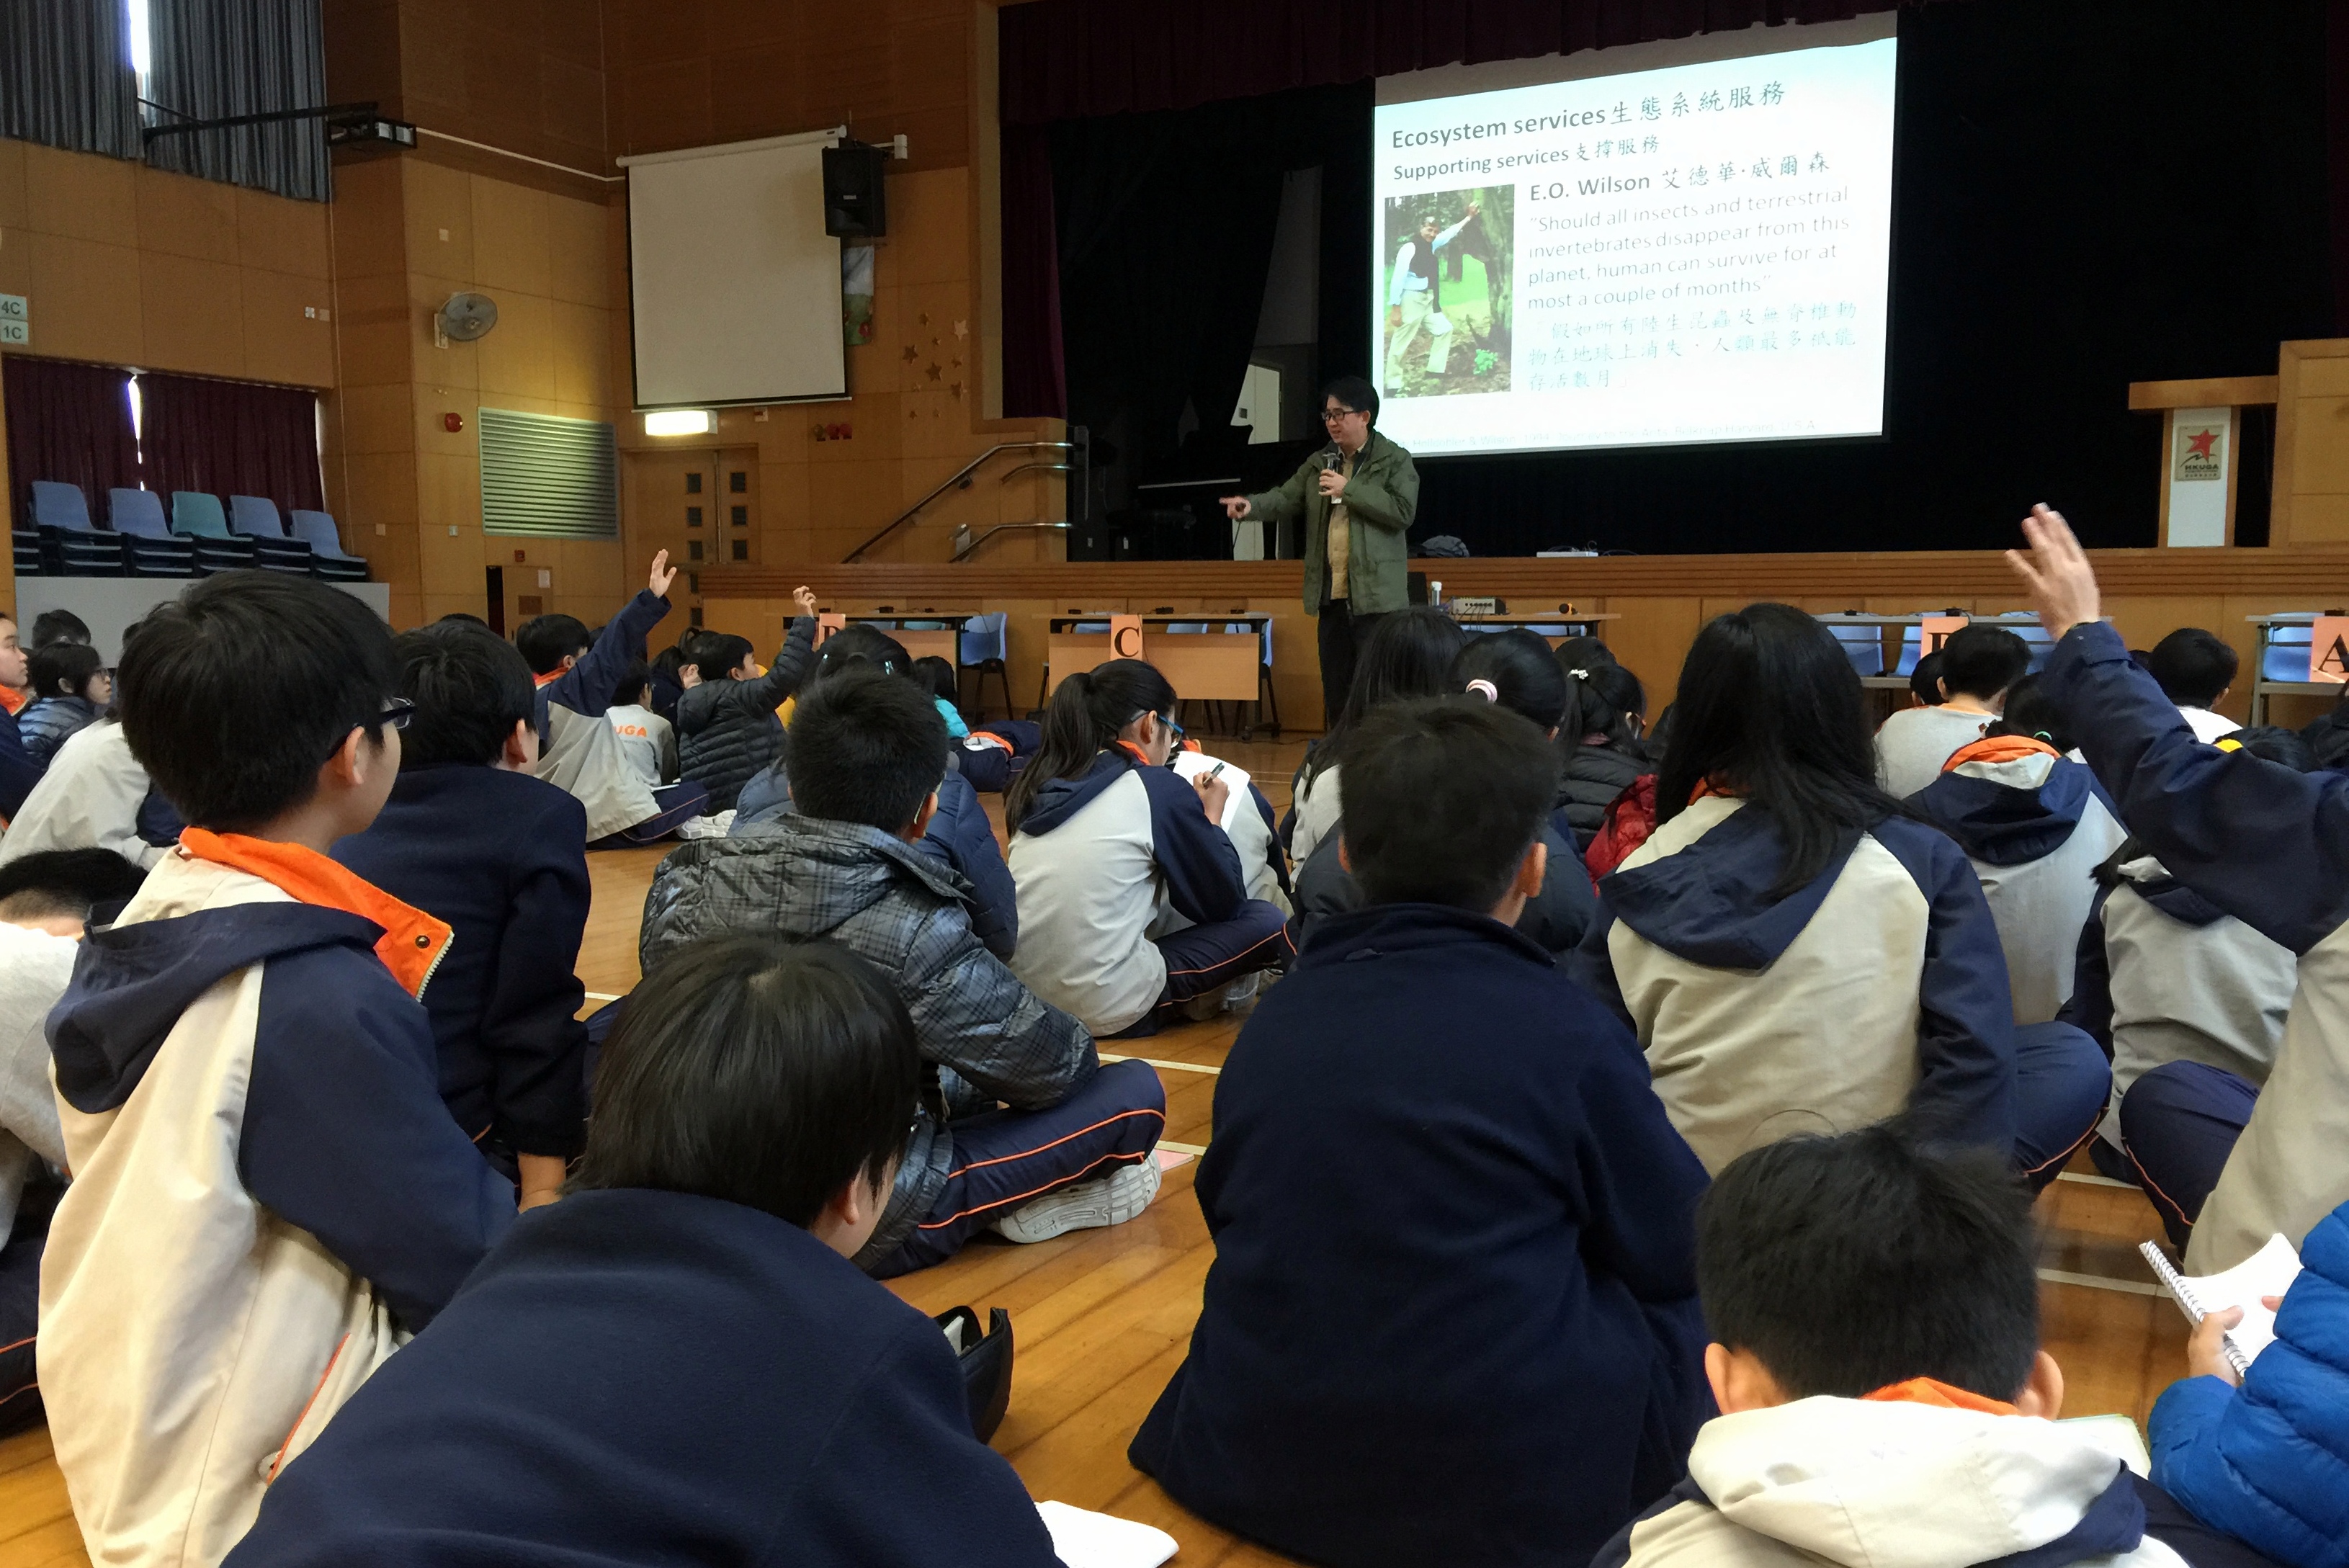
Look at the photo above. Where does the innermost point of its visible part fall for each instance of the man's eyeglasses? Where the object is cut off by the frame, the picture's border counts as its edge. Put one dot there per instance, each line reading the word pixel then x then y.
pixel 1331 415
pixel 398 712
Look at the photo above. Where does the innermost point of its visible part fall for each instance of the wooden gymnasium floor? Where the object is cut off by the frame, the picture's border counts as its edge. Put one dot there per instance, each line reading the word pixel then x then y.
pixel 1103 1317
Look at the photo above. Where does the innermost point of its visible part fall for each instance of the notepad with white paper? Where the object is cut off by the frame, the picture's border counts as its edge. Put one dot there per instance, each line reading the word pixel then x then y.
pixel 1082 1539
pixel 2268 1272
pixel 1193 764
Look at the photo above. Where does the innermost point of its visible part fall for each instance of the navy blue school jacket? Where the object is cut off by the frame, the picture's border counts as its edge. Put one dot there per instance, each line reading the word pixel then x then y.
pixel 1452 1317
pixel 502 857
pixel 18 771
pixel 655 1378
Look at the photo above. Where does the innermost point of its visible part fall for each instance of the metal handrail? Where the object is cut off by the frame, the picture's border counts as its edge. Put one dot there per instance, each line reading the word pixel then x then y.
pixel 1010 474
pixel 1003 528
pixel 960 479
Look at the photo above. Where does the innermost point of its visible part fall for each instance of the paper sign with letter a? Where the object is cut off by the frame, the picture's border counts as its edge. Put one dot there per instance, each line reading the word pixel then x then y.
pixel 1125 636
pixel 826 624
pixel 1934 631
pixel 2328 650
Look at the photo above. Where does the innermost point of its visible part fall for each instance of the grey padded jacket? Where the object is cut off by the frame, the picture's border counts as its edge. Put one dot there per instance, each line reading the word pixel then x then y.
pixel 807 880
pixel 727 732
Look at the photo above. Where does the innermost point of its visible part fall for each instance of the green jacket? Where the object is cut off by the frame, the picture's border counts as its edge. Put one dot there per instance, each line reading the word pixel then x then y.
pixel 1381 499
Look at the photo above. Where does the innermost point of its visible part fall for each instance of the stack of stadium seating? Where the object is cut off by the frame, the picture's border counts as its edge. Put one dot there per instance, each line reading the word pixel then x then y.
pixel 58 539
pixel 148 544
pixel 70 544
pixel 199 516
pixel 255 517
pixel 328 557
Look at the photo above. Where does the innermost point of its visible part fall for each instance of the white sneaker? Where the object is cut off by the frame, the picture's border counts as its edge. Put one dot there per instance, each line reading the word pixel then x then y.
pixel 1214 1004
pixel 1110 1200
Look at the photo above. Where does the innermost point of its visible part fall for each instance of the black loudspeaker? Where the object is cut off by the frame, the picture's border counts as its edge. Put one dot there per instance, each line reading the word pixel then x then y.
pixel 855 200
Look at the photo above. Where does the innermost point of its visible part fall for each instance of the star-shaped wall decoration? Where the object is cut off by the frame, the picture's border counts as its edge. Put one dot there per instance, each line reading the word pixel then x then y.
pixel 933 371
pixel 962 329
pixel 955 387
pixel 912 354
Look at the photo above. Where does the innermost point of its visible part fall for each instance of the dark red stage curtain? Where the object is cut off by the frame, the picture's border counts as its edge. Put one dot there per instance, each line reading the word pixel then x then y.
pixel 1035 371
pixel 70 423
pixel 1070 59
pixel 232 438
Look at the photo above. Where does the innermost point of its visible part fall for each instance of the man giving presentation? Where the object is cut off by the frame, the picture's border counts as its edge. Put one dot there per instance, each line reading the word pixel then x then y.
pixel 1356 496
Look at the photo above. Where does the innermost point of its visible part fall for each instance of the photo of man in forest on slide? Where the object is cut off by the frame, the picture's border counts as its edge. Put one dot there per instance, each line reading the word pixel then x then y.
pixel 1447 292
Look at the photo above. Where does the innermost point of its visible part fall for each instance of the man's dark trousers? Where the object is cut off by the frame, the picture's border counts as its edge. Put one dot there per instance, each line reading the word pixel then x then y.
pixel 1340 634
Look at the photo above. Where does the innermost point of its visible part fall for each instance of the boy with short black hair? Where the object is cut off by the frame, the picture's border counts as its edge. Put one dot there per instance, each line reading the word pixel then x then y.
pixel 1979 662
pixel 70 691
pixel 1073 1148
pixel 2194 669
pixel 53 626
pixel 727 731
pixel 646 739
pixel 1874 1309
pixel 576 674
pixel 268 1197
pixel 472 838
pixel 1452 1316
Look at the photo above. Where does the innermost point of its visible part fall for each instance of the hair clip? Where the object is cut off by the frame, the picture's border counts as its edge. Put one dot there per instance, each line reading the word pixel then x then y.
pixel 1485 689
pixel 1579 674
pixel 2043 735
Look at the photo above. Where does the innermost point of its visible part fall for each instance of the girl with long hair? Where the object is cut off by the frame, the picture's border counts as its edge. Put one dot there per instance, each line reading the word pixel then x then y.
pixel 1409 655
pixel 1795 951
pixel 1600 740
pixel 1131 893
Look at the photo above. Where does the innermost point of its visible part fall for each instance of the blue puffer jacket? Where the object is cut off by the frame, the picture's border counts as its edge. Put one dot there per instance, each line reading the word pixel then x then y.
pixel 2270 1462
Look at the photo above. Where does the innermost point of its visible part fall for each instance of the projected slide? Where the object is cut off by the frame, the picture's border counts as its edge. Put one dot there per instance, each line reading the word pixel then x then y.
pixel 1697 253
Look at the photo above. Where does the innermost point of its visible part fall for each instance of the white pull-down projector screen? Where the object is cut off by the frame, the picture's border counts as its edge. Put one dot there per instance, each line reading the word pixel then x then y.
pixel 734 287
pixel 1663 243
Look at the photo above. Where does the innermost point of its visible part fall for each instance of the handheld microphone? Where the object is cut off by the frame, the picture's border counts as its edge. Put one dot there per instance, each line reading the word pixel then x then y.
pixel 1331 457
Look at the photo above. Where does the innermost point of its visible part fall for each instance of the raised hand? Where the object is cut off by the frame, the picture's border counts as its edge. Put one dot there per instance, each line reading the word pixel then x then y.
pixel 661 576
pixel 1236 507
pixel 2061 583
pixel 804 597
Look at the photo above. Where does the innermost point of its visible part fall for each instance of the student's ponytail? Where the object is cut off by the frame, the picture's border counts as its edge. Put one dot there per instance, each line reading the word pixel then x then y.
pixel 1081 720
pixel 1603 699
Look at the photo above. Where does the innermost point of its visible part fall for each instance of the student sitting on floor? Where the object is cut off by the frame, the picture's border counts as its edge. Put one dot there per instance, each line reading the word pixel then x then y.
pixel 959 831
pixel 45 900
pixel 1979 662
pixel 2190 1004
pixel 1450 1317
pixel 676 1363
pixel 1407 655
pixel 1599 735
pixel 991 755
pixel 1884 1400
pixel 1074 1149
pixel 2265 1456
pixel 94 795
pixel 576 674
pixel 1794 951
pixel 1131 896
pixel 51 627
pixel 646 739
pixel 940 676
pixel 2196 670
pixel 2263 842
pixel 1514 670
pixel 70 691
pixel 18 773
pixel 268 1196
pixel 2035 828
pixel 472 838
pixel 727 731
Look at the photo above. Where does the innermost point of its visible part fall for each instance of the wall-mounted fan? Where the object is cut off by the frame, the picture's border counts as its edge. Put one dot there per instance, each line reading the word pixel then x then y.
pixel 466 317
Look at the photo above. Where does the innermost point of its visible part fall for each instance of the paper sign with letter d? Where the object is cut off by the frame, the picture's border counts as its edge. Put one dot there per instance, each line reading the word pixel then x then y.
pixel 1935 630
pixel 1125 636
pixel 826 624
pixel 2328 650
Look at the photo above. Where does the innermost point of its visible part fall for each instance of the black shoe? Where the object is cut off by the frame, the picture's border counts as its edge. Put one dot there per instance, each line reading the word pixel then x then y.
pixel 985 1364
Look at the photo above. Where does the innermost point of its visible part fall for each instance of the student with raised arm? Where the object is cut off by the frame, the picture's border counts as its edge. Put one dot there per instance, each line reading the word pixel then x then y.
pixel 727 731
pixel 2264 843
pixel 576 677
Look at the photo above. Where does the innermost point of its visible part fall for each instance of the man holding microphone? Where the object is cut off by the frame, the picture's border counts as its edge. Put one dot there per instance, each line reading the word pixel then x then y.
pixel 1358 496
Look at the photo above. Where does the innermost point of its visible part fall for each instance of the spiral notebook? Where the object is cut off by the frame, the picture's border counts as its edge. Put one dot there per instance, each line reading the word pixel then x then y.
pixel 2268 1272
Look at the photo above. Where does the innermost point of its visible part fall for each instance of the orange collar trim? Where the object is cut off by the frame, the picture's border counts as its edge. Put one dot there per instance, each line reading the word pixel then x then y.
pixel 549 678
pixel 1942 1396
pixel 412 941
pixel 1999 748
pixel 14 698
pixel 1712 787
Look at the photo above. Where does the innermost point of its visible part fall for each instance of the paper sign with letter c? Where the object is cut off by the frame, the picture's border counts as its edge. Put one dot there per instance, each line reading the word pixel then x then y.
pixel 826 624
pixel 1125 636
pixel 2328 650
pixel 1935 630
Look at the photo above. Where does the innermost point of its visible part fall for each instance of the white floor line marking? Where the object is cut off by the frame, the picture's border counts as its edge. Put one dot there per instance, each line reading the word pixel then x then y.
pixel 601 996
pixel 2088 1180
pixel 1182 1148
pixel 1153 1061
pixel 2098 1282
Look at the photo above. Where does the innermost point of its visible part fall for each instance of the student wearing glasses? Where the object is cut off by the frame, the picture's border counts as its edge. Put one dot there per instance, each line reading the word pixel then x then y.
pixel 1358 496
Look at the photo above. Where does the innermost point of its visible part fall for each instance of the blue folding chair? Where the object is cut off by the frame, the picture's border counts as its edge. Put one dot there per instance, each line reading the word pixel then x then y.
pixel 148 542
pixel 70 545
pixel 256 517
pixel 982 647
pixel 328 558
pixel 1862 645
